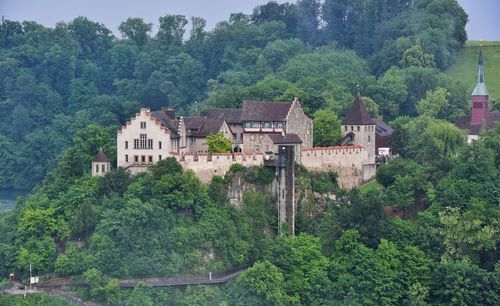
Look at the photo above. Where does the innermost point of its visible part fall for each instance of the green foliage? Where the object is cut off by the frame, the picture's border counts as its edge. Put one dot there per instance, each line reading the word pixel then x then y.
pixel 262 284
pixel 415 56
pixel 326 129
pixel 167 166
pixel 218 143
pixel 260 175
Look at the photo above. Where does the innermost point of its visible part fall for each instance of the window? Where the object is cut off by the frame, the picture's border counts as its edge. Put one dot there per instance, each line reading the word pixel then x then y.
pixel 150 159
pixel 136 158
pixel 352 128
pixel 159 145
pixel 252 137
pixel 358 128
pixel 103 168
pixel 143 142
pixel 255 125
pixel 369 138
pixel 126 158
pixel 143 124
pixel 126 144
pixel 478 105
pixel 280 125
pixel 267 147
pixel 143 158
pixel 345 128
pixel 257 148
pixel 159 157
pixel 97 168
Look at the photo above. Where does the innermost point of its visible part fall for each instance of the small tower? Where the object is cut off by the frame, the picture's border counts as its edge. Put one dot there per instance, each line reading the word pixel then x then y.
pixel 480 97
pixel 100 164
pixel 358 128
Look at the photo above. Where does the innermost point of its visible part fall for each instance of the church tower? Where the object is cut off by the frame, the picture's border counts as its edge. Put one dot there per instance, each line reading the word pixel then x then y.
pixel 100 164
pixel 480 99
pixel 358 128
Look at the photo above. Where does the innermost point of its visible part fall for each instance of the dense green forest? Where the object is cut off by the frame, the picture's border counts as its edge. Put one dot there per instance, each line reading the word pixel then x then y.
pixel 429 235
pixel 56 81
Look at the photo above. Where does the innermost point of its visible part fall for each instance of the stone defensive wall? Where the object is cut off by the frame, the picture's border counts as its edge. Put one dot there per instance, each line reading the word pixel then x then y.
pixel 206 166
pixel 347 161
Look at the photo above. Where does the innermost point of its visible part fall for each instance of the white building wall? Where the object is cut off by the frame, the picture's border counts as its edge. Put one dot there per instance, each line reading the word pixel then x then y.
pixel 131 131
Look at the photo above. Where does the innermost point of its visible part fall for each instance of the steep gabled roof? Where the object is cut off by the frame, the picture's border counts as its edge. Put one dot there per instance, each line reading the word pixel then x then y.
pixel 264 111
pixel 100 157
pixel 202 126
pixel 285 139
pixel 357 115
pixel 232 115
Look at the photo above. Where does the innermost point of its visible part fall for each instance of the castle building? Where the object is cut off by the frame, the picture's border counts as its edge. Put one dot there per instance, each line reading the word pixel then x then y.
pixel 480 119
pixel 100 164
pixel 149 137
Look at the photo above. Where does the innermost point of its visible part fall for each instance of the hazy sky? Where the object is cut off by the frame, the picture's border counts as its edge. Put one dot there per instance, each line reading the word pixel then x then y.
pixel 484 21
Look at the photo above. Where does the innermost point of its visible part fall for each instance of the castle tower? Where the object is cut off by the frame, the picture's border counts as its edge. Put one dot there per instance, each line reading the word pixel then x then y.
pixel 100 164
pixel 358 128
pixel 480 99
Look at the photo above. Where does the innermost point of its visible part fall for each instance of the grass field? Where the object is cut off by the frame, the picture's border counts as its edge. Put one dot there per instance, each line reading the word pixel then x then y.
pixel 369 186
pixel 465 68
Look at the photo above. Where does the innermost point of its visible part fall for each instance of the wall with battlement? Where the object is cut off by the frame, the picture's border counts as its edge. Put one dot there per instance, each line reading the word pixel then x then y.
pixel 205 166
pixel 347 161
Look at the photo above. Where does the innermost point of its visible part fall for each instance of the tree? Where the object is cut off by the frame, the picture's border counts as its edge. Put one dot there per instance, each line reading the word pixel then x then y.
pixel 262 284
pixel 140 295
pixel 326 129
pixel 136 29
pixel 171 30
pixel 85 221
pixel 434 104
pixel 218 143
pixel 415 56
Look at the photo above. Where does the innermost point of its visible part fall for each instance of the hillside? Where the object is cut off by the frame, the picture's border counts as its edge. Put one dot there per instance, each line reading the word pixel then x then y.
pixel 464 70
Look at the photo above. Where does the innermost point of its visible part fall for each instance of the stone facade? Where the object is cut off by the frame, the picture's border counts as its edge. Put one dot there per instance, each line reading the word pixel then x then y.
pixel 298 123
pixel 143 141
pixel 257 128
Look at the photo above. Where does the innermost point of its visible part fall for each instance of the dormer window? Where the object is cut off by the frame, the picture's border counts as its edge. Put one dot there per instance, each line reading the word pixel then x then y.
pixel 143 124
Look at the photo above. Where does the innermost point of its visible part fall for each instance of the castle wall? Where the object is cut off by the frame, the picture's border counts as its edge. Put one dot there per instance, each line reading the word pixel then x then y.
pixel 206 167
pixel 347 161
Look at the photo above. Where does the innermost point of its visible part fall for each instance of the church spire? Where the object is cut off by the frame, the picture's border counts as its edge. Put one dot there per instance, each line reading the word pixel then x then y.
pixel 480 68
pixel 480 89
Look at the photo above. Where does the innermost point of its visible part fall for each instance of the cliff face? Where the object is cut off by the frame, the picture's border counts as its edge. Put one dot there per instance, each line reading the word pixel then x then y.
pixel 313 191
